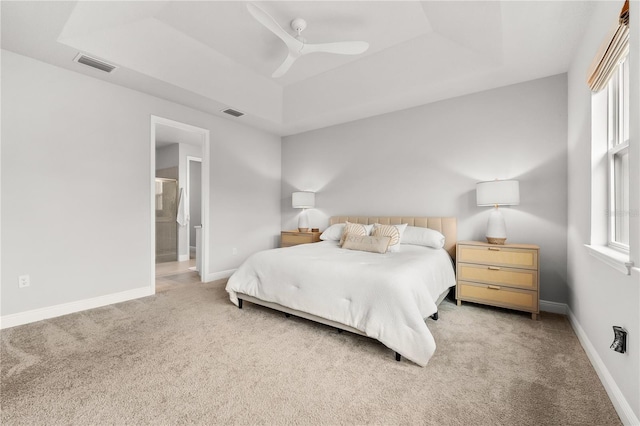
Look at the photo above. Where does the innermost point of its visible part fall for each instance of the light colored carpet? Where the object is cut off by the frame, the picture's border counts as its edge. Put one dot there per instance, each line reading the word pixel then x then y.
pixel 187 355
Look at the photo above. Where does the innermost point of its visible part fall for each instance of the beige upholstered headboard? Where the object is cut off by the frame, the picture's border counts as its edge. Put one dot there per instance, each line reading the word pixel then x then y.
pixel 447 226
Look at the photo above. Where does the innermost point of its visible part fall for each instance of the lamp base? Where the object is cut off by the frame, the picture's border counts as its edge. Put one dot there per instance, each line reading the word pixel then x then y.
pixel 497 241
pixel 496 229
pixel 303 221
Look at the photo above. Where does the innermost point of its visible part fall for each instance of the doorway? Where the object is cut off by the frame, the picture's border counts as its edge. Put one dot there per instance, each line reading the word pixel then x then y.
pixel 166 226
pixel 175 148
pixel 194 196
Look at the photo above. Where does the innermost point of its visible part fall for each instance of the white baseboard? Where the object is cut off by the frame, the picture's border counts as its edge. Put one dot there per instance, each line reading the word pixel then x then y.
pixel 183 257
pixel 12 320
pixel 219 275
pixel 621 405
pixel 553 307
pixel 34 315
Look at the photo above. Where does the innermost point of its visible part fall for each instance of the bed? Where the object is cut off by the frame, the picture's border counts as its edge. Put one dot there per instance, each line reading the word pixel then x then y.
pixel 387 297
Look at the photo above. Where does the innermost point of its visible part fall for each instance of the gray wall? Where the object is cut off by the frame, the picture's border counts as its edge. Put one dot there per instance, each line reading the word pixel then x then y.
pixel 427 160
pixel 79 225
pixel 168 156
pixel 600 296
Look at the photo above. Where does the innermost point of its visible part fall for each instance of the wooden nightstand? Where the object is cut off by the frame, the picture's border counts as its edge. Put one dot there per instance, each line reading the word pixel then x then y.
pixel 499 275
pixel 293 238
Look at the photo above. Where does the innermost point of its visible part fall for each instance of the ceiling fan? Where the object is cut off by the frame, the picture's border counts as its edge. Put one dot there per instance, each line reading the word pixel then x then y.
pixel 297 45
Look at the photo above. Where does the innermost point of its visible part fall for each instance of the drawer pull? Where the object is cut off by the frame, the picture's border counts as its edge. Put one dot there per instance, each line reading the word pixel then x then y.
pixel 493 268
pixel 493 248
pixel 493 287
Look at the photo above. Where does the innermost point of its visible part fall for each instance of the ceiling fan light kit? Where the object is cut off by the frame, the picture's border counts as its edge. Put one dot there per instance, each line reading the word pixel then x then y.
pixel 297 45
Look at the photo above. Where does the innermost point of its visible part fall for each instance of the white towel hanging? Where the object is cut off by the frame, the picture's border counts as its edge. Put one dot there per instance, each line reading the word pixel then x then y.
pixel 183 214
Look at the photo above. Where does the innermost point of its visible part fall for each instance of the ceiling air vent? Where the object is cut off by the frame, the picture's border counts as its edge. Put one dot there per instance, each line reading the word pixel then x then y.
pixel 233 112
pixel 94 63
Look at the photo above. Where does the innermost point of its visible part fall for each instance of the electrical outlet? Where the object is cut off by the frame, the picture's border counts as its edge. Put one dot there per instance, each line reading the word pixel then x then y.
pixel 620 339
pixel 24 281
pixel 234 251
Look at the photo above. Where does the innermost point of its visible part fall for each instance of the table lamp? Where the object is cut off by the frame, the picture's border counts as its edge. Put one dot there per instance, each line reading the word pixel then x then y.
pixel 303 200
pixel 497 193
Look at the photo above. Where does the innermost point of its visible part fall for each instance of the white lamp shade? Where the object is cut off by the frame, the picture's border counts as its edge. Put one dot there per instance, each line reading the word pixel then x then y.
pixel 498 193
pixel 303 200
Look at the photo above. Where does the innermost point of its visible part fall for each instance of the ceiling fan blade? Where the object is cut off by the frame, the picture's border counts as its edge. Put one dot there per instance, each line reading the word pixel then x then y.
pixel 267 20
pixel 282 69
pixel 341 47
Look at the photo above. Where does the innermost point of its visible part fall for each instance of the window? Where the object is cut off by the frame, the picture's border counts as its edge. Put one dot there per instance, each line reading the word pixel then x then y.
pixel 618 157
pixel 608 80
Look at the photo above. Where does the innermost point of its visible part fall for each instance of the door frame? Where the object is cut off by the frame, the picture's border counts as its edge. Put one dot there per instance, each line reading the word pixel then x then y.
pixel 206 155
pixel 191 158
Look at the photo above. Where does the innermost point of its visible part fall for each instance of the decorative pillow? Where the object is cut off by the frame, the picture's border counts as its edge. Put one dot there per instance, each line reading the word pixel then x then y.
pixel 356 229
pixel 392 231
pixel 333 233
pixel 366 243
pixel 422 237
pixel 368 228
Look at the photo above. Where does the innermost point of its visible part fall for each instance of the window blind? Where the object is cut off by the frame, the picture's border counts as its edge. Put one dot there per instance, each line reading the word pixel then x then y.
pixel 614 48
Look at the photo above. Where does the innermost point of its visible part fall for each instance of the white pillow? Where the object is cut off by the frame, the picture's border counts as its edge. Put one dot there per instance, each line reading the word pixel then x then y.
pixel 422 237
pixel 333 233
pixel 390 231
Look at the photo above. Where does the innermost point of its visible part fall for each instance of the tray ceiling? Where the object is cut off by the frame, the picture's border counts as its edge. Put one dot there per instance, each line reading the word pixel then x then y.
pixel 212 54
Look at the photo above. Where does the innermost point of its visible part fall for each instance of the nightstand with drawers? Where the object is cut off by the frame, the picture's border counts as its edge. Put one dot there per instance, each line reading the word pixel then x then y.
pixel 293 238
pixel 507 275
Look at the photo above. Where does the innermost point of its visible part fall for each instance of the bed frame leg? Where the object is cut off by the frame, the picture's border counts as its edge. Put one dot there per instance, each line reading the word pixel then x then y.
pixel 435 316
pixel 398 356
pixel 239 303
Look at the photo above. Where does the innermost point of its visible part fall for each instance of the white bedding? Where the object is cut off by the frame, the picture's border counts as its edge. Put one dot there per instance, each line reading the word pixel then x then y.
pixel 386 296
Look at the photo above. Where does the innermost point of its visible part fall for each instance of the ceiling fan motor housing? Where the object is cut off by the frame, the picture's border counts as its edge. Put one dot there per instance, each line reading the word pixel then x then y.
pixel 298 25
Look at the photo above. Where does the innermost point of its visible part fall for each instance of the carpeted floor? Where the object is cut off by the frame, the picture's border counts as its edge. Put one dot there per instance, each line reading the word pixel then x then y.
pixel 187 355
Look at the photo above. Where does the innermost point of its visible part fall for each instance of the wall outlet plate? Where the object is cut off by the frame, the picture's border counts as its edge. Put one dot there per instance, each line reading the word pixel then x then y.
pixel 619 339
pixel 24 281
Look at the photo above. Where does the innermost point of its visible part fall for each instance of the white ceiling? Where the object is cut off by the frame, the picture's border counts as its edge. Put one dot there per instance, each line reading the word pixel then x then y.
pixel 212 55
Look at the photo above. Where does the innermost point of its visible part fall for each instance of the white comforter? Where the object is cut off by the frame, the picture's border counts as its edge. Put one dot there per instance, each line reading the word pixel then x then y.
pixel 386 296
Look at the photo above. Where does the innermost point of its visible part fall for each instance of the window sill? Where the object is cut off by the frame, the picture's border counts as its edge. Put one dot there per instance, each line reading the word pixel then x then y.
pixel 617 260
